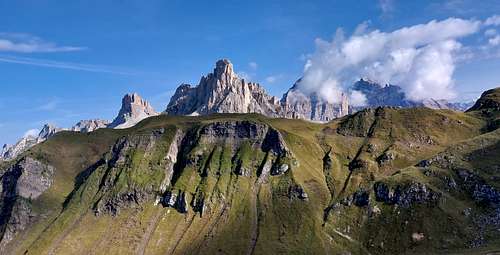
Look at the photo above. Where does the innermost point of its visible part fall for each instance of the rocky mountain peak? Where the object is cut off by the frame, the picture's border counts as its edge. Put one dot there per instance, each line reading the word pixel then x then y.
pixel 86 126
pixel 9 152
pixel 133 103
pixel 297 104
pixel 47 131
pixel 133 110
pixel 222 92
pixel 392 95
pixel 224 69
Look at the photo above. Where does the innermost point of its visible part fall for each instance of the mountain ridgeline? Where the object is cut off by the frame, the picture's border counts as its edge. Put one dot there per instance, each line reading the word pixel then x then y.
pixel 383 180
pixel 222 91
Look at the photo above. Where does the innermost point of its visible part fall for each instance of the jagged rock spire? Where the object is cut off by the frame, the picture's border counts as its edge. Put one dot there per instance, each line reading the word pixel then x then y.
pixel 133 110
pixel 223 69
pixel 222 92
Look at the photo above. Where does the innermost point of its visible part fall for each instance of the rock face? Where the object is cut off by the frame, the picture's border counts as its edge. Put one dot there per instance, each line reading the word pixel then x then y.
pixel 86 126
pixel 392 95
pixel 405 195
pixel 222 91
pixel 133 110
pixel 297 105
pixel 47 131
pixel 25 180
pixel 10 152
pixel 241 146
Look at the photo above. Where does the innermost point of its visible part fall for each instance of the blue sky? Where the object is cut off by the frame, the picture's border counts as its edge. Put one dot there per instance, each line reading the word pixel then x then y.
pixel 63 61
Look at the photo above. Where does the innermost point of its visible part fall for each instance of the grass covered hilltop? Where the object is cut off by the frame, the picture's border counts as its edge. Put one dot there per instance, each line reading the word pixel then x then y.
pixel 380 181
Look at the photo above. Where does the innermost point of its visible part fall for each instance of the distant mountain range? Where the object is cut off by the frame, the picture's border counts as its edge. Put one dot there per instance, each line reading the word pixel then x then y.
pixel 133 110
pixel 392 95
pixel 222 91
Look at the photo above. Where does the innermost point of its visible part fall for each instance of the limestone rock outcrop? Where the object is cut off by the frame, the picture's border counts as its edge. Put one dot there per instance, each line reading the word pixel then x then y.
pixel 222 91
pixel 25 180
pixel 86 126
pixel 133 110
pixel 392 95
pixel 297 105
pixel 10 152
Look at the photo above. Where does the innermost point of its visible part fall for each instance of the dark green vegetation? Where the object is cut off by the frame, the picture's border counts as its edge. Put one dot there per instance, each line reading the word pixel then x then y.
pixel 381 181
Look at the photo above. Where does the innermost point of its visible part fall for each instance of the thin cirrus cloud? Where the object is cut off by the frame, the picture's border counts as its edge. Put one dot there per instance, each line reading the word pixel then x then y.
pixel 26 43
pixel 253 65
pixel 386 6
pixel 273 78
pixel 49 106
pixel 64 65
pixel 420 58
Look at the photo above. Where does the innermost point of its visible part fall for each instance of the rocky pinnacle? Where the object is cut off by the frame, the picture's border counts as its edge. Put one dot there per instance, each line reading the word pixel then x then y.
pixel 133 110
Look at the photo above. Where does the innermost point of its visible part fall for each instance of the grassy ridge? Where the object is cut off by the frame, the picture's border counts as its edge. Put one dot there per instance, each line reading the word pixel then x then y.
pixel 244 214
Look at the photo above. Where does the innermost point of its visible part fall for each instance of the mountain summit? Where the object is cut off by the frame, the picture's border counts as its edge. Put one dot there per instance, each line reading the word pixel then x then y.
pixel 222 91
pixel 9 152
pixel 133 110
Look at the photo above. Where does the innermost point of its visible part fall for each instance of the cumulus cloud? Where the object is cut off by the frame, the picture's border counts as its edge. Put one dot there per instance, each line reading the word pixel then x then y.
pixel 490 32
pixel 419 58
pixel 31 132
pixel 494 41
pixel 493 21
pixel 357 98
pixel 25 43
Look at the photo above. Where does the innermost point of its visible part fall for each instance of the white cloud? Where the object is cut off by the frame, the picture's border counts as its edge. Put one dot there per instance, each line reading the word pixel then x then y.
pixel 494 41
pixel 490 32
pixel 419 58
pixel 25 43
pixel 493 21
pixel 31 132
pixel 253 65
pixel 357 98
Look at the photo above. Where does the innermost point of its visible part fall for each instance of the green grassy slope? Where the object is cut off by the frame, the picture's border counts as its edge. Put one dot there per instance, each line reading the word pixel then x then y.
pixel 105 194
